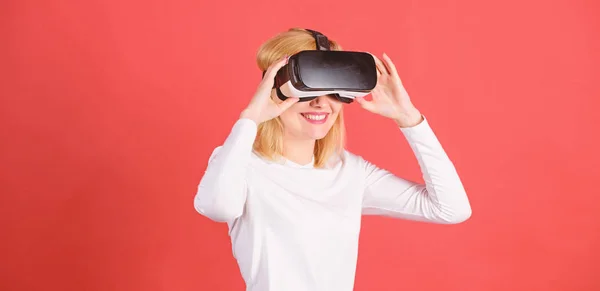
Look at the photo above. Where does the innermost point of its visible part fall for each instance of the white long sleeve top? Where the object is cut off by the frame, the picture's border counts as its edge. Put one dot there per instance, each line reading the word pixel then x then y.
pixel 296 228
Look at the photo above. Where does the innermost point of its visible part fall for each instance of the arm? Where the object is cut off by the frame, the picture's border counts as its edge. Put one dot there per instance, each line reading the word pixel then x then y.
pixel 442 199
pixel 221 192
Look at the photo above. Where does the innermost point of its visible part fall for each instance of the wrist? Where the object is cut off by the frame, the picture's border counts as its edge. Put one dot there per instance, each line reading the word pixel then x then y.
pixel 410 118
pixel 250 114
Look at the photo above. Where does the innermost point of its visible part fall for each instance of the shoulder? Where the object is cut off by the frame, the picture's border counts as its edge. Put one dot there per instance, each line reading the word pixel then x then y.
pixel 215 152
pixel 353 160
pixel 361 165
pixel 351 156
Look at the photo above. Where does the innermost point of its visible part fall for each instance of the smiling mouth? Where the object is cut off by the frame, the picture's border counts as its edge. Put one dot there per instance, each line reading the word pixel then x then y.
pixel 315 118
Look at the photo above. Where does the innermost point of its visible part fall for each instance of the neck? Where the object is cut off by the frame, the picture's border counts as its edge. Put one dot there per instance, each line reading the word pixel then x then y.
pixel 299 151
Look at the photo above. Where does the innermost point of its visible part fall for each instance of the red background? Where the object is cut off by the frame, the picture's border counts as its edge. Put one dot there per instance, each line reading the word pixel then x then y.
pixel 110 110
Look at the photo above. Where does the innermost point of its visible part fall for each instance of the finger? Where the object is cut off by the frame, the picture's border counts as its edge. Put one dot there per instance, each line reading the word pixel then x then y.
pixel 269 77
pixel 274 67
pixel 367 105
pixel 380 66
pixel 287 103
pixel 376 66
pixel 390 65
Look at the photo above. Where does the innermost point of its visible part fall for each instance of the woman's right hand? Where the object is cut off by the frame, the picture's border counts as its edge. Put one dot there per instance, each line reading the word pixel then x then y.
pixel 262 107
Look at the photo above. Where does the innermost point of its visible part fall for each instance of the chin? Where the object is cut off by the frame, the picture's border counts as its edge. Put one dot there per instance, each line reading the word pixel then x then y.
pixel 313 126
pixel 317 128
pixel 317 136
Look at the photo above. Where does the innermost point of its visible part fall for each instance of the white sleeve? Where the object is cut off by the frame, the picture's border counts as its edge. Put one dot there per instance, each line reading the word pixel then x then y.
pixel 221 194
pixel 442 199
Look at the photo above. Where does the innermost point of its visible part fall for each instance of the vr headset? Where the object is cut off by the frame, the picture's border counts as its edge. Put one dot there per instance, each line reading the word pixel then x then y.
pixel 344 75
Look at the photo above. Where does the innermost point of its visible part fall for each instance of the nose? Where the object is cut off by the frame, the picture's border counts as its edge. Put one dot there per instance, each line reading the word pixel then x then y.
pixel 319 101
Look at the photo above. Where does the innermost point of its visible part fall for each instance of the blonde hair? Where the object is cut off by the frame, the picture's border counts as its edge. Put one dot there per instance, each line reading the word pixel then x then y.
pixel 269 139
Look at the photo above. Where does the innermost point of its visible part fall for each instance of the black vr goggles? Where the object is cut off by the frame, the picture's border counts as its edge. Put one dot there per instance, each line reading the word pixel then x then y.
pixel 344 75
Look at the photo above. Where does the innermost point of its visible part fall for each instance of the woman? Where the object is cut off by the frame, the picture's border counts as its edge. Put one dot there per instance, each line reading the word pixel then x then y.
pixel 293 197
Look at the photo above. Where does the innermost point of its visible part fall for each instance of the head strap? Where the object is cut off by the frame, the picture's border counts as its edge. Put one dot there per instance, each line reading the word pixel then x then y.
pixel 321 40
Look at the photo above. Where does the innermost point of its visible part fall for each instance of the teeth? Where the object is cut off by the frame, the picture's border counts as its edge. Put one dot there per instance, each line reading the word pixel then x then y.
pixel 314 117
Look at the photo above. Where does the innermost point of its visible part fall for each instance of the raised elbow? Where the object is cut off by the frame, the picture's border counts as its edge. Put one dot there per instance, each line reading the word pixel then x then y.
pixel 218 212
pixel 221 201
pixel 460 216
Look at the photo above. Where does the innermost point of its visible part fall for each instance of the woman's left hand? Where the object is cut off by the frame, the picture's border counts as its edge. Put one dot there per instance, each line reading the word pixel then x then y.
pixel 389 97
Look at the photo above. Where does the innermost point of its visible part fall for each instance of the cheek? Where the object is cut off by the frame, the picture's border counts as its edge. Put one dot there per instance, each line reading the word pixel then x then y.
pixel 290 116
pixel 336 107
pixel 286 117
